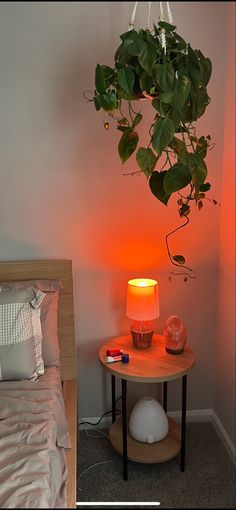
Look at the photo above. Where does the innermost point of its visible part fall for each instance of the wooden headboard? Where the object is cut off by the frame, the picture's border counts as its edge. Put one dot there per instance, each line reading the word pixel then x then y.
pixel 52 270
pixel 57 270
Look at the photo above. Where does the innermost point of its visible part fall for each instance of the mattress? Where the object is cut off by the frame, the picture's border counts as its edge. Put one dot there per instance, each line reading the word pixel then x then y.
pixel 34 436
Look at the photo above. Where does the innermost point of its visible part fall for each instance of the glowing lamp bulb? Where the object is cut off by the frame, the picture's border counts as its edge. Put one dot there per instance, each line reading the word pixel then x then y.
pixel 142 305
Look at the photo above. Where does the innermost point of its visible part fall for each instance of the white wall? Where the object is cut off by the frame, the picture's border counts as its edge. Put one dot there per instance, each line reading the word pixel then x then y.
pixel 63 193
pixel 225 346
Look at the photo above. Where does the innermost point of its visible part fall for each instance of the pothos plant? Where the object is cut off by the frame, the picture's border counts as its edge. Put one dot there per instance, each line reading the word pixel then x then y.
pixel 161 67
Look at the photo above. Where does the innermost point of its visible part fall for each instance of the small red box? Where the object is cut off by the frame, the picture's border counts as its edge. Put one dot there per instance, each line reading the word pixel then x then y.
pixel 114 352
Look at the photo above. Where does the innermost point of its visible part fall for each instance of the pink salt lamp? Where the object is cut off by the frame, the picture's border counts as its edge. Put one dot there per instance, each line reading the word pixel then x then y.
pixel 174 335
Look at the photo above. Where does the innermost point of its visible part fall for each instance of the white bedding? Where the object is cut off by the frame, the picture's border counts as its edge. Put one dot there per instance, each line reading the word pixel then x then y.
pixel 33 438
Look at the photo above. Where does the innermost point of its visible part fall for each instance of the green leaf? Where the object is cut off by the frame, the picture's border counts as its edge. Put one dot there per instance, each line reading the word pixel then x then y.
pixel 167 97
pixel 123 121
pixel 193 57
pixel 109 101
pixel 163 133
pixel 152 40
pixel 134 48
pixel 126 79
pixel 156 186
pixel 206 70
pixel 184 210
pixel 181 42
pixel 205 187
pixel 127 35
pixel 179 259
pixel 165 75
pixel 157 71
pixel 201 102
pixel 146 81
pixel 177 116
pixel 121 57
pixel 194 74
pixel 181 89
pixel 146 160
pixel 125 129
pixel 197 168
pixel 166 26
pixel 142 34
pixel 122 94
pixel 100 79
pixel 137 119
pixel 179 148
pixel 108 74
pixel 161 107
pixel 176 178
pixel 147 57
pixel 200 174
pixel 132 43
pixel 127 145
pixel 97 102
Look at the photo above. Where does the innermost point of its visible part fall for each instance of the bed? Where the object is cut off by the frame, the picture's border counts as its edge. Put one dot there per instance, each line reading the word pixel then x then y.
pixel 60 270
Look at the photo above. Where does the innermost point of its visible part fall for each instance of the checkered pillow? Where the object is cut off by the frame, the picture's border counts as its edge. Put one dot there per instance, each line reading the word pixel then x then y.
pixel 20 334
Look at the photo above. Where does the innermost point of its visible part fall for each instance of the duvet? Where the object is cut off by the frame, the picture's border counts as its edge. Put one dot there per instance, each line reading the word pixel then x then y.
pixel 33 439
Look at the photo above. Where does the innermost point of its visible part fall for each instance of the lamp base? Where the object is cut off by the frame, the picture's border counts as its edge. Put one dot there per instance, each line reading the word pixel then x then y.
pixel 142 333
pixel 174 351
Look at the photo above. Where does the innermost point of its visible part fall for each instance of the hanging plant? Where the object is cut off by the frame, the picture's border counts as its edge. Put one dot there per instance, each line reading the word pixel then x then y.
pixel 160 66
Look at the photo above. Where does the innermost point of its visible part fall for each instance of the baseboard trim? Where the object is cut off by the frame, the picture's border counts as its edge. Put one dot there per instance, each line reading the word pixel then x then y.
pixel 224 436
pixel 202 415
pixel 191 416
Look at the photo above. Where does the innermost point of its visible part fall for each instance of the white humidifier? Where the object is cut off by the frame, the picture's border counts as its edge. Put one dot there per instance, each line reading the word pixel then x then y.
pixel 148 421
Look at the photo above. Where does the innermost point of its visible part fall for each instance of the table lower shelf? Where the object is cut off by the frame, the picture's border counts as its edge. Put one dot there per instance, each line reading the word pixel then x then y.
pixel 152 453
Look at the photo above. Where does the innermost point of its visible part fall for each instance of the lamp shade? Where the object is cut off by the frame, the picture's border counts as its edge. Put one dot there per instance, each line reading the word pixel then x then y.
pixel 142 302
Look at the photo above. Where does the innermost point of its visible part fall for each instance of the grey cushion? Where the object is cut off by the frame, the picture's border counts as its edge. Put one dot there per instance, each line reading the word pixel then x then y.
pixel 18 361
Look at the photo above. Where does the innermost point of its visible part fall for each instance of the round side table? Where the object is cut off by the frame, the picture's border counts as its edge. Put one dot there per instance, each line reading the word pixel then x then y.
pixel 152 365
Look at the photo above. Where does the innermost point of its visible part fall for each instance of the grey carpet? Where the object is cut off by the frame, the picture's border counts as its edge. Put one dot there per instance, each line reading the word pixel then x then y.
pixel 208 481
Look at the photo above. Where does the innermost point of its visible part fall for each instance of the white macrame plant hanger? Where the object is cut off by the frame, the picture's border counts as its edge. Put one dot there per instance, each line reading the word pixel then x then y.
pixel 161 18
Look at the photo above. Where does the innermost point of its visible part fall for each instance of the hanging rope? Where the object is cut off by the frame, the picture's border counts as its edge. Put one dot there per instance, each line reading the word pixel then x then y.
pixel 131 23
pixel 170 17
pixel 148 15
pixel 162 33
pixel 161 17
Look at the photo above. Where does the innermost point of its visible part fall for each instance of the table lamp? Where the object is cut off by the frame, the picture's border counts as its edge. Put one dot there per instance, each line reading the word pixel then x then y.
pixel 142 305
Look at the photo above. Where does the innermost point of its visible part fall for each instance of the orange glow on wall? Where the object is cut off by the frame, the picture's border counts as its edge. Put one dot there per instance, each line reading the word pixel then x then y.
pixel 142 299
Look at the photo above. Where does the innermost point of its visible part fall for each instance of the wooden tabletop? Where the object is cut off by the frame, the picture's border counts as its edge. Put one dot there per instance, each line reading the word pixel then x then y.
pixel 147 365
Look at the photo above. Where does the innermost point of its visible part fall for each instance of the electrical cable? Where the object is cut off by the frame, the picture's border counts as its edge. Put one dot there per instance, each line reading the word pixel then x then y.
pixel 101 433
pixel 117 411
pixel 93 465
pixel 90 423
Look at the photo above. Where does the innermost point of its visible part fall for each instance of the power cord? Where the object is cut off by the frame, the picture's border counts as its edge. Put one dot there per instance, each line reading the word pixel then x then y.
pixel 100 434
pixel 117 412
pixel 92 466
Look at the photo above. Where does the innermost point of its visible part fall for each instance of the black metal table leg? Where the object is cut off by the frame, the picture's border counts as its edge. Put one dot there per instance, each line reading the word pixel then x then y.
pixel 165 396
pixel 124 430
pixel 113 397
pixel 183 423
